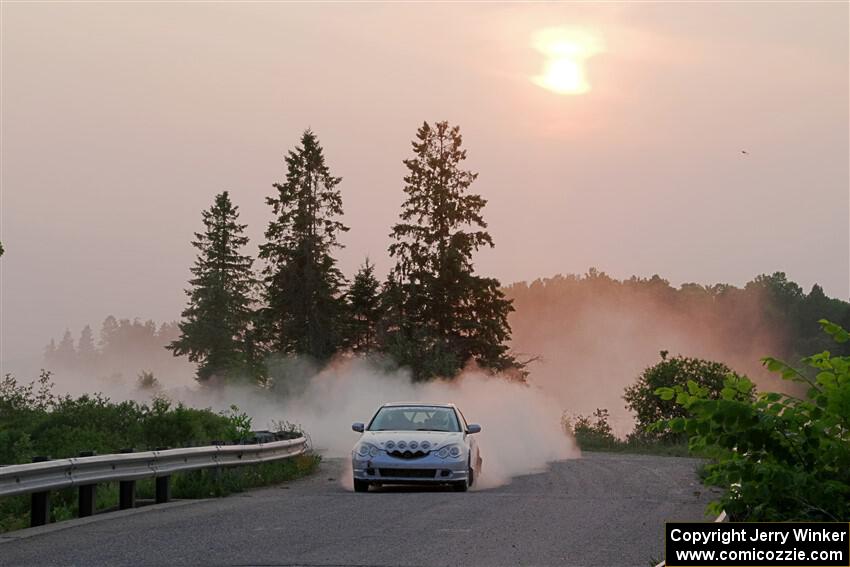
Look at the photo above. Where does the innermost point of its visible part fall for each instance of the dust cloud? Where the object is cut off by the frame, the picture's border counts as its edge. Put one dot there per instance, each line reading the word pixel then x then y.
pixel 521 424
pixel 594 336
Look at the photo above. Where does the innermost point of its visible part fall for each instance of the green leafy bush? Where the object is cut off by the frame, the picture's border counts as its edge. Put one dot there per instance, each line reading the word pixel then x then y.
pixel 670 373
pixel 36 422
pixel 778 457
pixel 590 433
pixel 594 433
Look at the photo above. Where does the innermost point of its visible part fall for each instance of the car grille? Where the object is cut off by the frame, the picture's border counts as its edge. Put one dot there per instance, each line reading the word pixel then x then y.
pixel 408 454
pixel 409 473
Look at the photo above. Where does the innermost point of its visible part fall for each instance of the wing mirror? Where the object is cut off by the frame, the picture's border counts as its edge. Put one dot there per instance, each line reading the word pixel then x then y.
pixel 473 428
pixel 358 427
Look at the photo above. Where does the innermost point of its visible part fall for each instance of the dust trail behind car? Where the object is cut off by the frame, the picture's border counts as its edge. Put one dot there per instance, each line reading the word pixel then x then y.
pixel 521 424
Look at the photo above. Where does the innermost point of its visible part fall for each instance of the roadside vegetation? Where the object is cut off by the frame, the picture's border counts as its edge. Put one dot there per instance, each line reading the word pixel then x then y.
pixel 776 456
pixel 594 433
pixel 35 422
pixel 648 408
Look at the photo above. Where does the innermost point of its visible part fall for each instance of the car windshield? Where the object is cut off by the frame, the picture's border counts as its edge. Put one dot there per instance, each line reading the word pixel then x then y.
pixel 415 418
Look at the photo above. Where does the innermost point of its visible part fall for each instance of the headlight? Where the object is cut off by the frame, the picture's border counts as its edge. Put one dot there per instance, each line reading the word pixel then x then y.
pixel 390 444
pixel 453 451
pixel 367 450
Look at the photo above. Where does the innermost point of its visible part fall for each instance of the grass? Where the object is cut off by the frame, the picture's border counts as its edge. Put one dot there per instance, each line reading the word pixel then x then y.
pixel 594 433
pixel 206 483
pixel 603 441
pixel 639 448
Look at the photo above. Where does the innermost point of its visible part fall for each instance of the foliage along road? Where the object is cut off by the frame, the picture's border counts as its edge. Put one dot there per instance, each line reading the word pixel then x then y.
pixel 602 509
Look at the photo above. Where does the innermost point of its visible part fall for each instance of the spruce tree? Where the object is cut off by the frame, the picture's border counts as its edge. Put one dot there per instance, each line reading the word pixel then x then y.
pixel 443 315
pixel 364 304
pixel 107 332
pixel 304 303
pixel 85 347
pixel 66 354
pixel 50 353
pixel 219 312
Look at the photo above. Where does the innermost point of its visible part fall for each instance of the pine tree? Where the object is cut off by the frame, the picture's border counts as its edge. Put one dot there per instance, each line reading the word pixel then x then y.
pixel 50 354
pixel 445 315
pixel 85 347
pixel 107 332
pixel 304 304
pixel 66 355
pixel 364 304
pixel 218 317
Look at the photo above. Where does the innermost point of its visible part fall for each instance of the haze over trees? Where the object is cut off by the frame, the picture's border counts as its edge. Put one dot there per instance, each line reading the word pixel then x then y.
pixel 124 348
pixel 595 334
pixel 769 314
pixel 433 314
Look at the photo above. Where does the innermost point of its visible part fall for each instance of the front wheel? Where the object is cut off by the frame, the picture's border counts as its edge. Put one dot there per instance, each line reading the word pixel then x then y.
pixel 361 485
pixel 464 485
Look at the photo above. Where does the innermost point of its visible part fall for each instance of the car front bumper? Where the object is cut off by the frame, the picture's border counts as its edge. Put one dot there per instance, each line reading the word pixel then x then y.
pixel 429 469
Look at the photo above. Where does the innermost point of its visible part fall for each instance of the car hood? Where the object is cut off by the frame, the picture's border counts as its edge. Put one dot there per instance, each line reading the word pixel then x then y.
pixel 437 439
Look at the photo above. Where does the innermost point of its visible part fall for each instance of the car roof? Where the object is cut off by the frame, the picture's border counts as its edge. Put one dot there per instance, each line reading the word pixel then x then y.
pixel 417 405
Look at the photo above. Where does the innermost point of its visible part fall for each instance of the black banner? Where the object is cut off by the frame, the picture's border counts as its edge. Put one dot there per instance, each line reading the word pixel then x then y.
pixel 767 544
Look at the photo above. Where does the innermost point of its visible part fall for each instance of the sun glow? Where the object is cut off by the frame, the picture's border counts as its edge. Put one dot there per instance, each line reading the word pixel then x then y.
pixel 566 51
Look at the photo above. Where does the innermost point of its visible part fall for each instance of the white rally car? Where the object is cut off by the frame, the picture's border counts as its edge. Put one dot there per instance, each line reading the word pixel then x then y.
pixel 415 443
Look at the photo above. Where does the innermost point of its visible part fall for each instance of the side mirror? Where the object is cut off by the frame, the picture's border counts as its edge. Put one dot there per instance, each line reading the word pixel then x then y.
pixel 473 428
pixel 358 427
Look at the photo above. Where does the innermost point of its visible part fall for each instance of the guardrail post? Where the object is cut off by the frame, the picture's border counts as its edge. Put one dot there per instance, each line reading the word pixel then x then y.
pixel 163 484
pixel 126 494
pixel 39 503
pixel 126 490
pixel 163 489
pixel 88 494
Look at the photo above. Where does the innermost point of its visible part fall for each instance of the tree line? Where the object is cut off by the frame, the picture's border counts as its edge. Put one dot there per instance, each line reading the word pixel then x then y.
pixel 121 349
pixel 432 314
pixel 729 317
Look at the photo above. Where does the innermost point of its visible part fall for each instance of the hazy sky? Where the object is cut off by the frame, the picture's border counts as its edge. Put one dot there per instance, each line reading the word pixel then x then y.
pixel 120 122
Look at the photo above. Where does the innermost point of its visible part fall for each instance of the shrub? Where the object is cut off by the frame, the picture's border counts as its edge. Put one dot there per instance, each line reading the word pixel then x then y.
pixel 779 457
pixel 669 373
pixel 36 422
pixel 591 434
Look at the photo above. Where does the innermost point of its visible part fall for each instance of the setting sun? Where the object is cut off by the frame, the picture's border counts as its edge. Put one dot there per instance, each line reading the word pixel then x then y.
pixel 566 51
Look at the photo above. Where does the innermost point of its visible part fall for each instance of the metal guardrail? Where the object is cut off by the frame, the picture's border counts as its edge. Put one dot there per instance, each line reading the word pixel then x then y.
pixel 40 478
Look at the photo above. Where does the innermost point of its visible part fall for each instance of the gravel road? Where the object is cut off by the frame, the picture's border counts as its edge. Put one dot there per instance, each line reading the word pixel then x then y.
pixel 600 510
